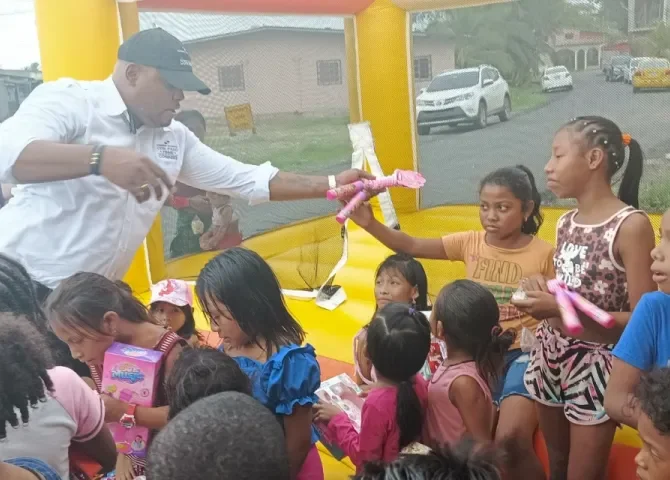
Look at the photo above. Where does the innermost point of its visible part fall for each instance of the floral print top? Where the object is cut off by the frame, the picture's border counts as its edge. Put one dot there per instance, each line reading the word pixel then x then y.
pixel 585 260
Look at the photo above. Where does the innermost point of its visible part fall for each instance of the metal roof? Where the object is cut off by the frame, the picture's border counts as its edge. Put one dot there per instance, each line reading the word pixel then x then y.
pixel 200 27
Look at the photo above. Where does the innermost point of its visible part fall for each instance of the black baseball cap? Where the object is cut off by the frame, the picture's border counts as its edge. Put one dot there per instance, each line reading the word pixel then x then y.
pixel 158 49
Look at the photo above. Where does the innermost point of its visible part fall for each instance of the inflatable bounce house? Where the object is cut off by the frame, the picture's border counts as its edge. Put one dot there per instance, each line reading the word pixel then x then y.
pixel 79 38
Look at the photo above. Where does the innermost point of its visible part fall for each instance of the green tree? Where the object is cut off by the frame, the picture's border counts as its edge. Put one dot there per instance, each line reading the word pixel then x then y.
pixel 656 44
pixel 513 37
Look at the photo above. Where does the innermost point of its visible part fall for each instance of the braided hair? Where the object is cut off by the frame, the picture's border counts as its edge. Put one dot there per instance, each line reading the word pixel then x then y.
pixel 18 297
pixel 599 132
pixel 24 360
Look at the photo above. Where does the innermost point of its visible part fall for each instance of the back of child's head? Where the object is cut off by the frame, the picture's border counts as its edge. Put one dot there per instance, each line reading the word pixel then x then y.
pixel 201 372
pixel 24 360
pixel 652 396
pixel 242 281
pixel 598 132
pixel 412 271
pixel 223 436
pixel 18 296
pixel 470 319
pixel 398 342
pixel 81 301
pixel 465 461
pixel 194 121
pixel 519 180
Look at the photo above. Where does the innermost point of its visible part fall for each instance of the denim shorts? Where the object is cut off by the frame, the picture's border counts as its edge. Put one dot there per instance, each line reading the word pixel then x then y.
pixel 512 382
pixel 35 466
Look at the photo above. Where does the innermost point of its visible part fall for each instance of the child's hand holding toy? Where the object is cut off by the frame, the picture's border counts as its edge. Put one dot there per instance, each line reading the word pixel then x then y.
pixel 363 189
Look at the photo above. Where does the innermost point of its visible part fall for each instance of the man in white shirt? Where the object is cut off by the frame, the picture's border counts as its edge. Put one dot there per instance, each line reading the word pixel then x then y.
pixel 94 161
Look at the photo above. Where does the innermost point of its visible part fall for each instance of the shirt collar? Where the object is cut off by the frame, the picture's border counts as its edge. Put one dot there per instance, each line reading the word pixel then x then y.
pixel 112 102
pixel 114 106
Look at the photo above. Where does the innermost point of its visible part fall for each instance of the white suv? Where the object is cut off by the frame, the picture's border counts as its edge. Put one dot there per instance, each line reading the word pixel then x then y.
pixel 468 95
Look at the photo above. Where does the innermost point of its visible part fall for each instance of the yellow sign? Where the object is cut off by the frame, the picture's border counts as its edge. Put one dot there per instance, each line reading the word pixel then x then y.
pixel 239 117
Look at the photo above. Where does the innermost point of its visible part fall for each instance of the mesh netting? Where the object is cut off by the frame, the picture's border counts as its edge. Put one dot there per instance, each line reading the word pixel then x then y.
pixel 586 42
pixel 289 75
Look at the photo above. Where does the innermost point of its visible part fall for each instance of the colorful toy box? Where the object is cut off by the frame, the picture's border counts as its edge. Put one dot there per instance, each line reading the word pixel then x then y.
pixel 130 374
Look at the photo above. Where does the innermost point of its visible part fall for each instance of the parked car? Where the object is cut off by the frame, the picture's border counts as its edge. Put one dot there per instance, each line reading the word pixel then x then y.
pixel 556 78
pixel 614 71
pixel 629 70
pixel 652 73
pixel 468 95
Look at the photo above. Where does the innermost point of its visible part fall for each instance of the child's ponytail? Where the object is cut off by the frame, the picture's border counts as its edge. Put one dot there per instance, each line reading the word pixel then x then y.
pixel 409 413
pixel 630 183
pixel 491 357
pixel 535 219
pixel 398 343
pixel 599 132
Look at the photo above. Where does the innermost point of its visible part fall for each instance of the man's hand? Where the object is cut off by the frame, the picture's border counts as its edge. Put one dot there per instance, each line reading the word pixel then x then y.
pixel 352 175
pixel 134 172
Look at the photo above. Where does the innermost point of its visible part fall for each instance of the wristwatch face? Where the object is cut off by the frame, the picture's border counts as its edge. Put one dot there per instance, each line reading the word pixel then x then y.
pixel 128 421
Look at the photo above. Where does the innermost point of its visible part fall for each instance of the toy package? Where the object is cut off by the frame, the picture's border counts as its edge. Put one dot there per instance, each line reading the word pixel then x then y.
pixel 130 374
pixel 436 355
pixel 343 392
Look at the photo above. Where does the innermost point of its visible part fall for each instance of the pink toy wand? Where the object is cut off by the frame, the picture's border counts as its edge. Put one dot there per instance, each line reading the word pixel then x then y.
pixel 364 189
pixel 400 178
pixel 359 198
pixel 566 299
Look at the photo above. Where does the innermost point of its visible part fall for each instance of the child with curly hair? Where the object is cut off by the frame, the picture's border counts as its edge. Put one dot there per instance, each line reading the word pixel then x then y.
pixel 44 405
pixel 653 461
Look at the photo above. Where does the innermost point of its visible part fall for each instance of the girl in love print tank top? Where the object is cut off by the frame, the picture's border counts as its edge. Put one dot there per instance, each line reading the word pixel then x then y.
pixel 585 260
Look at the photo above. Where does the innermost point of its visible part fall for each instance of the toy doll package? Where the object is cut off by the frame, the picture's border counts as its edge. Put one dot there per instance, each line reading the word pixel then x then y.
pixel 130 374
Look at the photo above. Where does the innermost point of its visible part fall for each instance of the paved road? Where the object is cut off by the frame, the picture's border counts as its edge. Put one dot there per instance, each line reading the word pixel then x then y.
pixel 460 157
pixel 454 160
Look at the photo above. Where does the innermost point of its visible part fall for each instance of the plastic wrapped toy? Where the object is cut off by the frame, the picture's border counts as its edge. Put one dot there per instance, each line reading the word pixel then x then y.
pixel 364 189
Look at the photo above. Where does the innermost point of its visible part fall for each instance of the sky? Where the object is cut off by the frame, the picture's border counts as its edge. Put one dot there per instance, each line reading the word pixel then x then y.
pixel 18 35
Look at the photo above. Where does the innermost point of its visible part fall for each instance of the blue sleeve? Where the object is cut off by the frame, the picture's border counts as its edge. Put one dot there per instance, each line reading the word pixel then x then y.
pixel 637 345
pixel 293 377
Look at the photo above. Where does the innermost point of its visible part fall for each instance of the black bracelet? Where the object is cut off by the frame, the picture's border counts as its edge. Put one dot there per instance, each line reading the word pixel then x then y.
pixel 96 159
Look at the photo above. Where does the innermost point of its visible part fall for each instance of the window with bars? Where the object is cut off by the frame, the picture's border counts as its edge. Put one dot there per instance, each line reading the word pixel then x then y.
pixel 231 78
pixel 423 68
pixel 329 72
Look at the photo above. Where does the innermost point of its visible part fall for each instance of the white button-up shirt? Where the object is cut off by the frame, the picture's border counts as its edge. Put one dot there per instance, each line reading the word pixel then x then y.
pixel 89 224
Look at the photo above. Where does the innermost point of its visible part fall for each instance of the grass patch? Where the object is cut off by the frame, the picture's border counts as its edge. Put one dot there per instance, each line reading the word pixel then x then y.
pixel 655 196
pixel 527 98
pixel 292 142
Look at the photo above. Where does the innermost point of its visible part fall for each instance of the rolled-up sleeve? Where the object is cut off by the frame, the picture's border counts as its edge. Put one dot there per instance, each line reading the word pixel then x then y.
pixel 54 111
pixel 212 171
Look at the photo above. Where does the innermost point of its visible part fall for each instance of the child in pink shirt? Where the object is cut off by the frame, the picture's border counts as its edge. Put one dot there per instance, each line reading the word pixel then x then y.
pixel 43 410
pixel 466 317
pixel 398 341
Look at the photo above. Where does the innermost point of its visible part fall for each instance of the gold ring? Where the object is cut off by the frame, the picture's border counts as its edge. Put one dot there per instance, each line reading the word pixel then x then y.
pixel 146 185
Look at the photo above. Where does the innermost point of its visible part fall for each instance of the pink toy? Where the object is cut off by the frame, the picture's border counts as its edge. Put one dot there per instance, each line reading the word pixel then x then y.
pixel 567 301
pixel 364 189
pixel 131 374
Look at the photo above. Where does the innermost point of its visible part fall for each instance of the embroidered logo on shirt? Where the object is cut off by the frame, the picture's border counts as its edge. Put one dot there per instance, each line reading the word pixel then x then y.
pixel 167 150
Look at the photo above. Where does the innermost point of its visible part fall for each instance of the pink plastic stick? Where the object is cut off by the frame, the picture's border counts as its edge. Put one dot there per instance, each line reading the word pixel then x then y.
pixel 345 190
pixel 359 198
pixel 597 314
pixel 568 313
